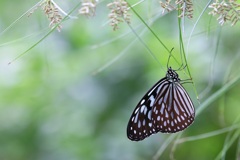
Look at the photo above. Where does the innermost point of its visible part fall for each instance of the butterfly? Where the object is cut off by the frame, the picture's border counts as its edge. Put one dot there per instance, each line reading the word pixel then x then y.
pixel 165 108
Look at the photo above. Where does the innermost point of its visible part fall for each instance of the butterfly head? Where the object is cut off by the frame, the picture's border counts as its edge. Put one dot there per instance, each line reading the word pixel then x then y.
pixel 172 75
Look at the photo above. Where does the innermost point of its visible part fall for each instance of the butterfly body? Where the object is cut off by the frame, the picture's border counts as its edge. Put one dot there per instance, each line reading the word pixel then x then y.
pixel 165 108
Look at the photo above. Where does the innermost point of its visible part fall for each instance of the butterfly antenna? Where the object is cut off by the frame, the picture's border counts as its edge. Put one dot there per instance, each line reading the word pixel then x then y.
pixel 169 57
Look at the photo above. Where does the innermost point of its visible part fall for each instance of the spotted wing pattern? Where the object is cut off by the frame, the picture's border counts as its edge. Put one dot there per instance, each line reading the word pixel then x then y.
pixel 165 108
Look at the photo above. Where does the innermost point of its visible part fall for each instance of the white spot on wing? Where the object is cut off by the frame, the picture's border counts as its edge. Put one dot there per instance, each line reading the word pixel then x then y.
pixel 139 124
pixel 142 108
pixel 142 101
pixel 132 119
pixel 149 114
pixel 136 118
pixel 162 108
pixel 165 123
pixel 144 122
pixel 175 107
pixel 145 110
pixel 150 124
pixel 136 110
pixel 179 120
pixel 152 99
pixel 166 114
pixel 182 118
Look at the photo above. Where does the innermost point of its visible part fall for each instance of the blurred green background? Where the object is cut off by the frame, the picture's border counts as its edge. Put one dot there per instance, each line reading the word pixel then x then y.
pixel 71 96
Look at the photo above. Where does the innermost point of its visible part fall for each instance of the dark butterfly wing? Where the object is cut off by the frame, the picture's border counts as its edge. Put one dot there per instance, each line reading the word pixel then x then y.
pixel 173 109
pixel 140 124
pixel 166 107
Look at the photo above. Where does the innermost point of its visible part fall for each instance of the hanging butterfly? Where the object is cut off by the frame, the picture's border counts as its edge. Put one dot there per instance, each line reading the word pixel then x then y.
pixel 165 108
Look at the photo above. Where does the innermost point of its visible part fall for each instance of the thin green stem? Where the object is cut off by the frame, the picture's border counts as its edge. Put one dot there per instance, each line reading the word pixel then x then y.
pixel 149 50
pixel 218 94
pixel 164 146
pixel 46 35
pixel 149 29
pixel 154 34
pixel 183 54
pixel 19 18
pixel 227 145
pixel 207 135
